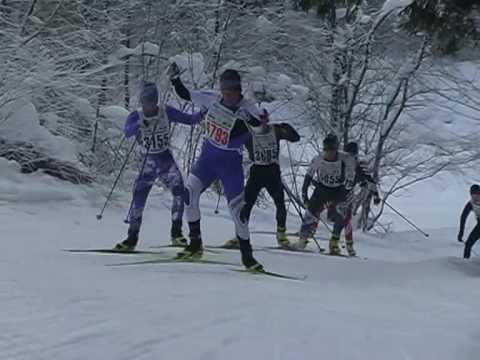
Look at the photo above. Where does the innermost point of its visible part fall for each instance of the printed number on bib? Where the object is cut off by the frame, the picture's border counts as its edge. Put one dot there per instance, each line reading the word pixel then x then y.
pixel 330 180
pixel 156 142
pixel 217 134
pixel 266 155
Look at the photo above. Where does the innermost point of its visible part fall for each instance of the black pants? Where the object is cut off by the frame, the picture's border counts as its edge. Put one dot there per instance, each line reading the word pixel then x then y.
pixel 268 177
pixel 322 196
pixel 472 239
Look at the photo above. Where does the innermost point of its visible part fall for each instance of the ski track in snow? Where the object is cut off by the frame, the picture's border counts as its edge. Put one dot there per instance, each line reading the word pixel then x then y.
pixel 414 298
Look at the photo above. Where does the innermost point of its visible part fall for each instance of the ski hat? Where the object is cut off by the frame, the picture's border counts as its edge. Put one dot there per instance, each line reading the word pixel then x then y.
pixel 352 148
pixel 149 94
pixel 475 189
pixel 330 142
pixel 230 80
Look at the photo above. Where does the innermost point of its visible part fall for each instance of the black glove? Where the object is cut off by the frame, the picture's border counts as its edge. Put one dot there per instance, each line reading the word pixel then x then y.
pixel 173 71
pixel 376 199
pixel 460 236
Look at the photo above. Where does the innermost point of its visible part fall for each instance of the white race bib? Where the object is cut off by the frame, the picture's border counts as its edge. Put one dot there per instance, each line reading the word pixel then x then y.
pixel 155 137
pixel 265 148
pixel 220 121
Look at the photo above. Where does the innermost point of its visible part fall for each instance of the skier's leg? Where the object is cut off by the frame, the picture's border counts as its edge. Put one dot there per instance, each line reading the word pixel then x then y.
pixel 310 219
pixel 231 176
pixel 172 179
pixel 472 239
pixel 338 215
pixel 199 179
pixel 252 189
pixel 141 188
pixel 349 232
pixel 275 189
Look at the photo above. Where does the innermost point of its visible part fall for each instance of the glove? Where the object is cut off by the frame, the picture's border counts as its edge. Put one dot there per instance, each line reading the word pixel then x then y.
pixel 376 199
pixel 460 236
pixel 173 71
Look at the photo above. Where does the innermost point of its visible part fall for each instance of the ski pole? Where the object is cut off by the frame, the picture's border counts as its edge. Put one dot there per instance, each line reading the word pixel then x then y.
pixel 218 203
pixel 407 220
pixel 122 168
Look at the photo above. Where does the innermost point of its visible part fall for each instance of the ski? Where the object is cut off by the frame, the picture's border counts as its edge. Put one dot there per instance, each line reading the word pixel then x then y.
pixel 289 249
pixel 267 232
pixel 173 260
pixel 271 273
pixel 344 256
pixel 205 248
pixel 112 251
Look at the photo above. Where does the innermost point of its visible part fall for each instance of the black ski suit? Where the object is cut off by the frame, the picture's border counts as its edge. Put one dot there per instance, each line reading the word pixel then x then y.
pixel 263 150
pixel 475 233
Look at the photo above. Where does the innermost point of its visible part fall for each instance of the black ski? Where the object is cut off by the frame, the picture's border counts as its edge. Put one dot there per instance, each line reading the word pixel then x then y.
pixel 173 260
pixel 271 273
pixel 112 251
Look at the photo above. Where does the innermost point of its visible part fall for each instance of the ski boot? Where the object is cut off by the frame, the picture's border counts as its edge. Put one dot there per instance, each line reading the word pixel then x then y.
pixel 333 245
pixel 195 249
pixel 231 244
pixel 176 235
pixel 350 250
pixel 282 239
pixel 129 244
pixel 247 256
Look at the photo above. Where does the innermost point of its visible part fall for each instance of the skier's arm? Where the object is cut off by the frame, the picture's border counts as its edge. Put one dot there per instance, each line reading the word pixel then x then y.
pixel 181 90
pixel 132 124
pixel 307 181
pixel 463 219
pixel 287 132
pixel 175 115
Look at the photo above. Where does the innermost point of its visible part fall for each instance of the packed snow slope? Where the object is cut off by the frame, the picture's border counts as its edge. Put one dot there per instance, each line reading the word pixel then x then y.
pixel 413 298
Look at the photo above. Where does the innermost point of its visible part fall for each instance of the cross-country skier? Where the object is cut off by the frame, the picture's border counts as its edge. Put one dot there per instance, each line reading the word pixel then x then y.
pixel 472 205
pixel 228 118
pixel 327 172
pixel 151 127
pixel 264 150
pixel 365 180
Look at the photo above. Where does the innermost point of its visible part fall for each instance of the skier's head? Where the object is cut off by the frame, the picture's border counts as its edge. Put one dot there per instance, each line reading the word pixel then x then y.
pixel 352 148
pixel 475 189
pixel 149 97
pixel 330 146
pixel 231 87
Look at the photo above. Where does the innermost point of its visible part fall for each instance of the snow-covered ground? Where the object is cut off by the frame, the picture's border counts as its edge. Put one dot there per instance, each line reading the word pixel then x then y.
pixel 414 298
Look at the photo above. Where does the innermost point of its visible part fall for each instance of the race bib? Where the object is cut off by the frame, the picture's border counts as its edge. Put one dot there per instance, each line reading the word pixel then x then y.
pixel 155 137
pixel 330 173
pixel 265 148
pixel 220 121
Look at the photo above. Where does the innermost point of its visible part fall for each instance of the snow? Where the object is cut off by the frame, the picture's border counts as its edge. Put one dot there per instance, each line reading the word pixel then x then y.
pixel 391 5
pixel 414 298
pixel 145 48
pixel 22 124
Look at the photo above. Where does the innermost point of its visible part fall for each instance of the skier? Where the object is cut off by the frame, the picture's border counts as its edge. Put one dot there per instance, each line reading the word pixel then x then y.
pixel 151 127
pixel 327 172
pixel 228 118
pixel 264 150
pixel 361 177
pixel 472 205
